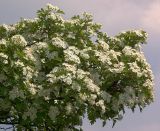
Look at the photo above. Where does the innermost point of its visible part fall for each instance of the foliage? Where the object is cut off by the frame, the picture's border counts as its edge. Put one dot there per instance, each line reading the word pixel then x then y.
pixel 53 71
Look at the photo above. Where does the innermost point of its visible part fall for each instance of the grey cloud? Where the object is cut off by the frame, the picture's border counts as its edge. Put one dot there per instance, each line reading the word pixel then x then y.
pixel 151 18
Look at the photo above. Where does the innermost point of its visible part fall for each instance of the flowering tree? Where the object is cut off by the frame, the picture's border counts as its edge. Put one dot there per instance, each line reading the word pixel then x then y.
pixel 54 71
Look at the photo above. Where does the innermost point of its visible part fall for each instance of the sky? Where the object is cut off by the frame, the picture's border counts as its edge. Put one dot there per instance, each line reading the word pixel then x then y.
pixel 115 16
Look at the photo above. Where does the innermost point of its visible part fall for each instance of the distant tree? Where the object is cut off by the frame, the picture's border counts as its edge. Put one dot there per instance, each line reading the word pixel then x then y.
pixel 54 71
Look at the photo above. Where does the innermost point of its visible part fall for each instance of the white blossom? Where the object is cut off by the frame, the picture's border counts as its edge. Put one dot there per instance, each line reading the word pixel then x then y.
pixel 4 58
pixel 81 74
pixel 70 68
pixel 84 54
pixel 135 68
pixel 92 99
pixel 103 45
pixel 114 54
pixel 138 32
pixel 103 57
pixel 19 40
pixel 117 68
pixel 71 56
pixel 128 51
pixel 76 86
pixel 40 45
pixel 29 54
pixel 83 96
pixel 148 83
pixel 100 103
pixel 66 79
pixel 3 42
pixel 91 86
pixel 51 7
pixel 28 72
pixel 59 43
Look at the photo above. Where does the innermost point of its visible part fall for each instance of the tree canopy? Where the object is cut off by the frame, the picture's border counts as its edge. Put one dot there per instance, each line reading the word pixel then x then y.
pixel 53 71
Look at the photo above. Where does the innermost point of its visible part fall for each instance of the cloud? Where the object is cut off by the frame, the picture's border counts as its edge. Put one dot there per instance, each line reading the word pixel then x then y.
pixel 151 127
pixel 114 15
pixel 151 17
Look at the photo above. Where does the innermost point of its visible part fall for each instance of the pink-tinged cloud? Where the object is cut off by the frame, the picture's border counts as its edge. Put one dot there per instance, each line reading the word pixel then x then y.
pixel 151 127
pixel 114 15
pixel 151 18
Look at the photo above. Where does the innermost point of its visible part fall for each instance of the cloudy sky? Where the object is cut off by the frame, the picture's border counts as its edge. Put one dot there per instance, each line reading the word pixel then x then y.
pixel 115 16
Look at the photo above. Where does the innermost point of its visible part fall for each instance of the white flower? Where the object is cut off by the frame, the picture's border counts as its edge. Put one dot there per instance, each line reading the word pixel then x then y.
pixel 28 72
pixel 4 58
pixel 19 40
pixel 128 51
pixel 139 33
pixel 148 83
pixel 84 55
pixel 76 86
pixel 81 74
pixel 31 87
pixel 66 78
pixel 51 78
pixel 135 68
pixel 74 49
pixel 51 7
pixel 83 96
pixel 103 45
pixel 100 103
pixel 71 35
pixel 52 16
pixel 18 63
pixel 70 68
pixel 103 57
pixel 59 43
pixel 117 68
pixel 40 46
pixel 114 54
pixel 71 56
pixel 3 42
pixel 91 99
pixel 91 86
pixel 29 54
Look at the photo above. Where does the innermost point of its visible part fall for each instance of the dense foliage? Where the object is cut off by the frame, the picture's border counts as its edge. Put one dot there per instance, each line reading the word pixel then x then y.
pixel 54 71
